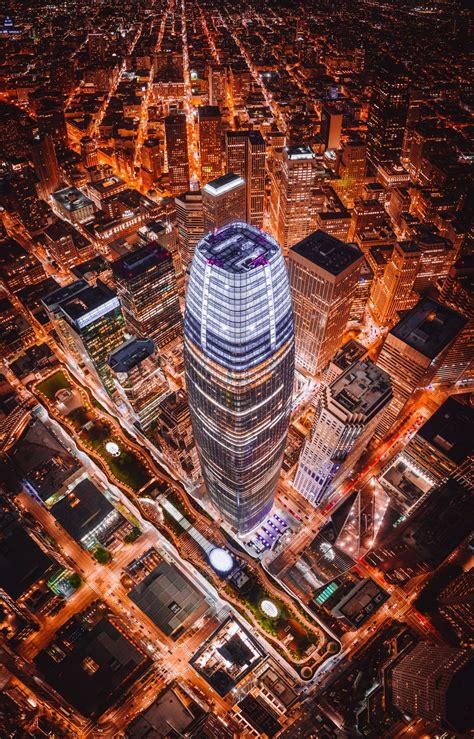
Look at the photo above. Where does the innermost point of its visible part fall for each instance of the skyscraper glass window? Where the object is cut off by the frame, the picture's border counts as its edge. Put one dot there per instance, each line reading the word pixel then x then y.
pixel 239 359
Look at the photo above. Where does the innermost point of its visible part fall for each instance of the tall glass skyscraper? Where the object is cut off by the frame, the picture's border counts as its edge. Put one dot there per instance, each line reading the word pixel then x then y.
pixel 239 359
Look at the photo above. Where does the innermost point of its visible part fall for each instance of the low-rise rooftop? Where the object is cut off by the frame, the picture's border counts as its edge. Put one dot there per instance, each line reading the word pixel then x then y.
pixel 71 199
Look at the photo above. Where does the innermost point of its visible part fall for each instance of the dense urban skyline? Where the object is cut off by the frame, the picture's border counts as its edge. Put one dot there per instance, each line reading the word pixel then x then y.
pixel 236 381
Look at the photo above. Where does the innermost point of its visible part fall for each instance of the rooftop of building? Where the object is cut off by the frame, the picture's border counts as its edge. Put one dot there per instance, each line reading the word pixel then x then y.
pixel 450 430
pixel 327 252
pixel 71 199
pixel 351 352
pixel 137 262
pixel 259 715
pixel 41 459
pixel 98 665
pixel 107 185
pixel 58 230
pixel 361 387
pixel 131 353
pixel 362 601
pixel 91 298
pixel 168 598
pixel 82 509
pixel 238 248
pixel 227 656
pixel 381 253
pixel 428 327
pixel 193 196
pixel 175 118
pixel 208 111
pixel 167 710
pixel 300 152
pixel 223 184
pixel 22 561
pixel 92 266
pixel 55 298
pixel 408 247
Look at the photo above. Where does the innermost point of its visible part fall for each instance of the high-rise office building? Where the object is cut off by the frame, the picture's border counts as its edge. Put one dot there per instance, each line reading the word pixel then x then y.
pixel 146 284
pixel 413 350
pixel 362 293
pixel 393 291
pixel 164 234
pixel 436 258
pixel 425 135
pixel 458 292
pixel 89 152
pixel 94 322
pixel 441 448
pixel 218 84
pixel 46 165
pixel 152 161
pixel 245 156
pixel 455 606
pixel 331 125
pixel 223 201
pixel 51 120
pixel 176 135
pixel 352 170
pixel 236 152
pixel 297 208
pixel 210 142
pixel 189 224
pixel 175 434
pixel 347 413
pixel 388 113
pixel 139 381
pixel 323 277
pixel 66 245
pixel 435 682
pixel 239 358
pixel 255 177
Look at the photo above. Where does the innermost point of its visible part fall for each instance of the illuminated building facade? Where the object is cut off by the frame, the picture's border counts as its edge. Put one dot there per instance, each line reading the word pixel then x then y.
pixel 296 209
pixel 146 283
pixel 177 152
pixel 152 161
pixel 437 256
pixel 352 169
pixel 46 165
pixel 210 142
pixel 323 277
pixel 223 201
pixel 239 359
pixel 95 321
pixel 218 83
pixel 245 156
pixel 139 380
pixel 346 416
pixel 393 291
pixel 388 113
pixel 413 350
pixel 432 681
pixel 331 126
pixel 89 153
pixel 189 224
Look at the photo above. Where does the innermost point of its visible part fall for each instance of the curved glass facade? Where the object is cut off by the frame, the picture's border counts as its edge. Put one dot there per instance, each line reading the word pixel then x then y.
pixel 239 359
